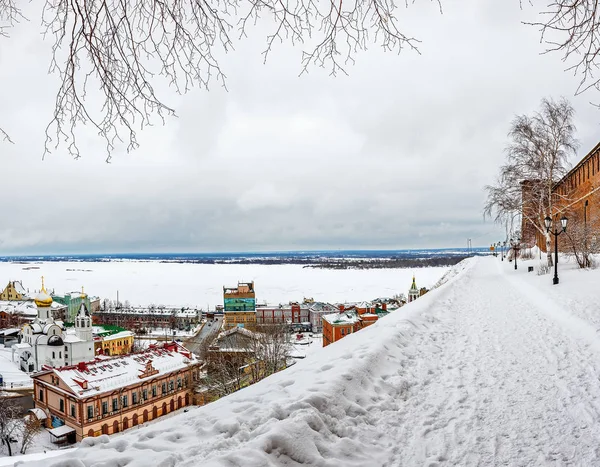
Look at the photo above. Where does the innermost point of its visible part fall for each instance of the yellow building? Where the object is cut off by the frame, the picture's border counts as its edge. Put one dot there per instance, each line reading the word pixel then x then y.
pixel 239 305
pixel 14 291
pixel 120 343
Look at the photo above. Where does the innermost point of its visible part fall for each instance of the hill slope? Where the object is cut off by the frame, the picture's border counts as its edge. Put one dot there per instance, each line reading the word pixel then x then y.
pixel 495 367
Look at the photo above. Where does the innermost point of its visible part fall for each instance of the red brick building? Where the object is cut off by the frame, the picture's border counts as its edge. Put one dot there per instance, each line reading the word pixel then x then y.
pixel 577 196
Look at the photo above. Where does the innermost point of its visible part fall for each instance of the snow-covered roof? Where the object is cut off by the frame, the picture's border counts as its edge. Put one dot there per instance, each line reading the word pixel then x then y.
pixel 61 431
pixel 39 413
pixel 18 307
pixel 19 288
pixel 118 335
pixel 344 317
pixel 71 336
pixel 171 311
pixel 22 345
pixel 108 374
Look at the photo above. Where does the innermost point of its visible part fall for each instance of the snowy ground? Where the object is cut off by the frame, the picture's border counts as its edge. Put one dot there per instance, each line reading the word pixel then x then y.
pixel 199 285
pixel 496 367
pixel 306 346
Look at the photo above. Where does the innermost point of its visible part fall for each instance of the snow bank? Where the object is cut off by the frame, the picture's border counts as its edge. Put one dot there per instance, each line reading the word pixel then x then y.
pixel 323 411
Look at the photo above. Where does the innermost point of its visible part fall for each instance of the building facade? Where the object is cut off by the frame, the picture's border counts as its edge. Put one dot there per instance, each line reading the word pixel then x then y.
pixel 14 291
pixel 316 312
pixel 239 306
pixel 118 343
pixel 109 395
pixel 292 313
pixel 73 302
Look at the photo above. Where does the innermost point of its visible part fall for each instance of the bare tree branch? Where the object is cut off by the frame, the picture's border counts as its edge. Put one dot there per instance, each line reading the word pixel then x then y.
pixel 121 47
pixel 572 28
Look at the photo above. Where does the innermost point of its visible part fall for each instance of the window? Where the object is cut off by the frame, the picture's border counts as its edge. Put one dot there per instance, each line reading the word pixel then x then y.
pixel 154 390
pixel 73 410
pixel 90 410
pixel 145 394
pixel 61 405
pixel 134 398
pixel 179 383
pixel 53 355
pixel 41 395
pixel 125 401
pixel 115 403
pixel 60 354
pixel 164 388
pixel 171 385
pixel 343 330
pixel 104 408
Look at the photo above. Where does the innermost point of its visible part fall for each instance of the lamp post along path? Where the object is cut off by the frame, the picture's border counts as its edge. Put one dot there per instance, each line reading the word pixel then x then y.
pixel 556 233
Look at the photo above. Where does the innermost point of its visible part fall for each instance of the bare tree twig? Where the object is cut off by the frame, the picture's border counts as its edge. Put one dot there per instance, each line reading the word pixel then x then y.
pixel 572 27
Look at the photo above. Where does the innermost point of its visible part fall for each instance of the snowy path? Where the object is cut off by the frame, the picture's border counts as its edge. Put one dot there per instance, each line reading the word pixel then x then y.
pixel 510 384
pixel 483 371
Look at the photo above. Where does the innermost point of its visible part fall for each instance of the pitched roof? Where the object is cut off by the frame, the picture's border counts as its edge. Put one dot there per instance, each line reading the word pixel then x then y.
pixel 108 374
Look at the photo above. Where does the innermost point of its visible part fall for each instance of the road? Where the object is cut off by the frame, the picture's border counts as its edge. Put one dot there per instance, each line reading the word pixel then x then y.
pixel 208 332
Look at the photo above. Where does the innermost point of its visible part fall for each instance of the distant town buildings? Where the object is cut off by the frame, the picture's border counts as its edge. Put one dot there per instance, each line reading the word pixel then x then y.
pixel 352 318
pixel 239 305
pixel 146 319
pixel 349 320
pixel 109 395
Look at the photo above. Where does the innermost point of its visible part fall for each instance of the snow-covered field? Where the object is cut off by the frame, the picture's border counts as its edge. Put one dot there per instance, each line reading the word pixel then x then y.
pixel 496 367
pixel 199 285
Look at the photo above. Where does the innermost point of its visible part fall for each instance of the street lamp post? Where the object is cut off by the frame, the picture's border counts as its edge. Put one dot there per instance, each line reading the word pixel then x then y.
pixel 503 247
pixel 515 246
pixel 556 233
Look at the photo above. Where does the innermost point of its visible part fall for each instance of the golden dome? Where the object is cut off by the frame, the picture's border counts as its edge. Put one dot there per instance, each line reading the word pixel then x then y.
pixel 42 299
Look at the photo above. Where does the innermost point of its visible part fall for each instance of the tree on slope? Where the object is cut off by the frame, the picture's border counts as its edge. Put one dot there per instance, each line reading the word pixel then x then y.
pixel 121 47
pixel 9 422
pixel 537 158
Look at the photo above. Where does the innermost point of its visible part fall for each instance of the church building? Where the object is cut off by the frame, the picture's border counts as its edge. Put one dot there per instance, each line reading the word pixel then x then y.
pixel 46 342
pixel 413 292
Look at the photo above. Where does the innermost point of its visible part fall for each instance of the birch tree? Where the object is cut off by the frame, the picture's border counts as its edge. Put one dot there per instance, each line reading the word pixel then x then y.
pixel 537 157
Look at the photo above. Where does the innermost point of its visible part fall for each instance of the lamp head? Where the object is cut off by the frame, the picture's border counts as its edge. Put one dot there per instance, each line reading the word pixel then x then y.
pixel 563 222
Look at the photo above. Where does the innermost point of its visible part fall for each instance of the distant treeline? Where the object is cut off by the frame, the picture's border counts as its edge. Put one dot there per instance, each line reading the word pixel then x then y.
pixel 398 263
pixel 340 263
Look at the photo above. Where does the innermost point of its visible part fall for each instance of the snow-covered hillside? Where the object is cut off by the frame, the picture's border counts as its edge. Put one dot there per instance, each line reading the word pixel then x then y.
pixel 496 367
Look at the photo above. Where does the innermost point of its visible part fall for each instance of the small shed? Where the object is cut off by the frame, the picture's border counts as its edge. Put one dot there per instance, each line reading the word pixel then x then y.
pixel 62 434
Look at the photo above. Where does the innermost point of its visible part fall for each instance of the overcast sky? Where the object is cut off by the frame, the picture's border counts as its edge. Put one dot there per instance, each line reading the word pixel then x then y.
pixel 395 155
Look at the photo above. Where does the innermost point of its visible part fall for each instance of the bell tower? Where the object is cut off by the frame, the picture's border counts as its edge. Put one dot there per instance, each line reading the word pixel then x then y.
pixel 83 321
